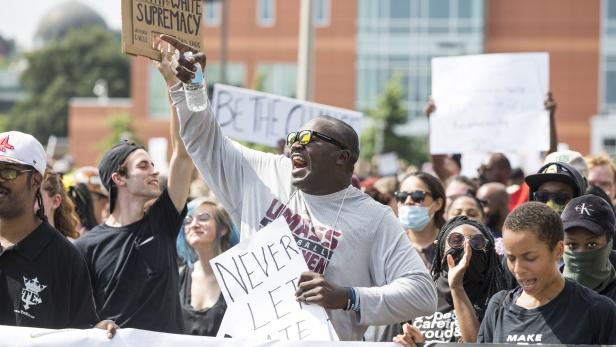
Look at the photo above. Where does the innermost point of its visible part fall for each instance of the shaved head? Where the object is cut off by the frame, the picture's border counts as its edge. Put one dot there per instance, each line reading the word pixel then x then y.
pixel 342 132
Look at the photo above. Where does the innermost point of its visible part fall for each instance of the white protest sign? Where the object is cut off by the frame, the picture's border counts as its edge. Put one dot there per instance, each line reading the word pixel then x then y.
pixel 157 148
pixel 258 278
pixel 264 118
pixel 31 337
pixel 490 103
pixel 388 164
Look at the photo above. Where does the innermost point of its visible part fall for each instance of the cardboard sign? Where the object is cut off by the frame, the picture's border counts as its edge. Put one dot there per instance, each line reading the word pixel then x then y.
pixel 258 278
pixel 142 20
pixel 264 118
pixel 490 103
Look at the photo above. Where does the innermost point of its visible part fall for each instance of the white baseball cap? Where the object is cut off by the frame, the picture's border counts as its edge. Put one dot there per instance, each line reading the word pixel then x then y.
pixel 573 158
pixel 21 148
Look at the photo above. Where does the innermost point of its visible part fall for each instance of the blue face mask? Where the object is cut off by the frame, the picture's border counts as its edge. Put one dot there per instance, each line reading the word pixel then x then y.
pixel 414 217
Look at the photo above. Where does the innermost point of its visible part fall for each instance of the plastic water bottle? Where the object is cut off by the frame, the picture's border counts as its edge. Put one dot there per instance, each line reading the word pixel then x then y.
pixel 196 96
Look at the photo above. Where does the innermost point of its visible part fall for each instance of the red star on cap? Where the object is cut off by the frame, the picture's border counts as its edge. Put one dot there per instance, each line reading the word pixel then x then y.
pixel 4 144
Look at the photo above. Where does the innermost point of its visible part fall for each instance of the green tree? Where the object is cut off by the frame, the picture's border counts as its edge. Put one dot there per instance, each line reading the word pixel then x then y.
pixel 388 114
pixel 121 128
pixel 64 69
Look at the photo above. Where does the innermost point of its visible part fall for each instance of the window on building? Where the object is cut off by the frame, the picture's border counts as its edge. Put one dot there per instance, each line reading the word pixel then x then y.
pixel 439 8
pixel 212 12
pixel 402 35
pixel 266 12
pixel 610 87
pixel 611 9
pixel 609 145
pixel 400 9
pixel 158 107
pixel 321 13
pixel 279 79
pixel 465 8
pixel 236 74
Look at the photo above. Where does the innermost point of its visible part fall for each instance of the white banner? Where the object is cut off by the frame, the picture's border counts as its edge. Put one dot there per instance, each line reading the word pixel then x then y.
pixel 31 337
pixel 258 278
pixel 264 118
pixel 490 103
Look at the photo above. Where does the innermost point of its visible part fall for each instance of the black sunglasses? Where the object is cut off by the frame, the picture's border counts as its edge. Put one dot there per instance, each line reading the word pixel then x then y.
pixel 11 173
pixel 561 198
pixel 478 242
pixel 306 136
pixel 418 196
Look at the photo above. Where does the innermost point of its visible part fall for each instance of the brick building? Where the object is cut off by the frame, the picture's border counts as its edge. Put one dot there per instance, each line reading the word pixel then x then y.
pixel 360 44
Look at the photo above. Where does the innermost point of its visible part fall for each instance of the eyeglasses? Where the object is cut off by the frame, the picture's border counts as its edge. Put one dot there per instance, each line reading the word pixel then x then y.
pixel 478 242
pixel 561 198
pixel 417 196
pixel 201 218
pixel 11 173
pixel 306 136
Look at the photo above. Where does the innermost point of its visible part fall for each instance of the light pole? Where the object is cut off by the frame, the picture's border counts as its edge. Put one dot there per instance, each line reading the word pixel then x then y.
pixel 305 54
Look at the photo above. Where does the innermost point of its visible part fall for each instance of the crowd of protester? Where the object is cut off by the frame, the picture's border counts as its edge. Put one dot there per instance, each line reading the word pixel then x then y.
pixel 501 257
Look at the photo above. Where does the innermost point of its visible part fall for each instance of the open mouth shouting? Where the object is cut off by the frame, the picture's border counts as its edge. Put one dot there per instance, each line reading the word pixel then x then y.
pixel 528 285
pixel 300 165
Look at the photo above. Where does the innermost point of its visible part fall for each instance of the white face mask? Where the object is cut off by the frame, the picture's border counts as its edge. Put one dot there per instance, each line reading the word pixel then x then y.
pixel 414 217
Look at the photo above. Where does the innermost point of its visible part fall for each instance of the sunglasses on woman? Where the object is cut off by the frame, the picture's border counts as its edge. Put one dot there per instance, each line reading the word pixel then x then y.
pixel 478 242
pixel 306 136
pixel 417 196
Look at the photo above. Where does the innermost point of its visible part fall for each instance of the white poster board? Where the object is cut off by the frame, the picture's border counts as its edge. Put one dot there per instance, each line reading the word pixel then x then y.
pixel 264 118
pixel 490 103
pixel 388 164
pixel 31 337
pixel 258 278
pixel 157 148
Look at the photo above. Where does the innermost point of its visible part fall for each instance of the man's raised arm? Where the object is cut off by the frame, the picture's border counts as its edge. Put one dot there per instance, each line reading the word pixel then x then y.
pixel 180 166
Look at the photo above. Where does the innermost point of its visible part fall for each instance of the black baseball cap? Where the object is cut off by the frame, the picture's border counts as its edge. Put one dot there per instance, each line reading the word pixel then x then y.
pixel 111 162
pixel 591 213
pixel 557 172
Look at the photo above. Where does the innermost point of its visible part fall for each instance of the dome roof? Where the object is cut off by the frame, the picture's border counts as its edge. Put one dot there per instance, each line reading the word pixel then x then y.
pixel 64 17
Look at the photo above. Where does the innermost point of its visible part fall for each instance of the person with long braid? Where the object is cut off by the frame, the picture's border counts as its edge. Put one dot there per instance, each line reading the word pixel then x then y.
pixel 467 272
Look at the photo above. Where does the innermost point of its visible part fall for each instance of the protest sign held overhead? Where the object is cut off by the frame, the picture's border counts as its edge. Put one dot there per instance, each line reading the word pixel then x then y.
pixel 142 20
pixel 258 279
pixel 490 103
pixel 264 118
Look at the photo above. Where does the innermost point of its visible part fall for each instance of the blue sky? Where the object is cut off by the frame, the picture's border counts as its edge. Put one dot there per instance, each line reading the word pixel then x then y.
pixel 19 18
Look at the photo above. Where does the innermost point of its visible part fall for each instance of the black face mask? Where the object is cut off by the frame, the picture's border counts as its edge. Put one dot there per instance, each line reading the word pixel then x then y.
pixel 473 281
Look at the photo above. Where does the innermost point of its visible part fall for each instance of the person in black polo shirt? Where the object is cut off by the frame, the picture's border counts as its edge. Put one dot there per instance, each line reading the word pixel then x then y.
pixel 132 255
pixel 589 225
pixel 546 308
pixel 43 279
